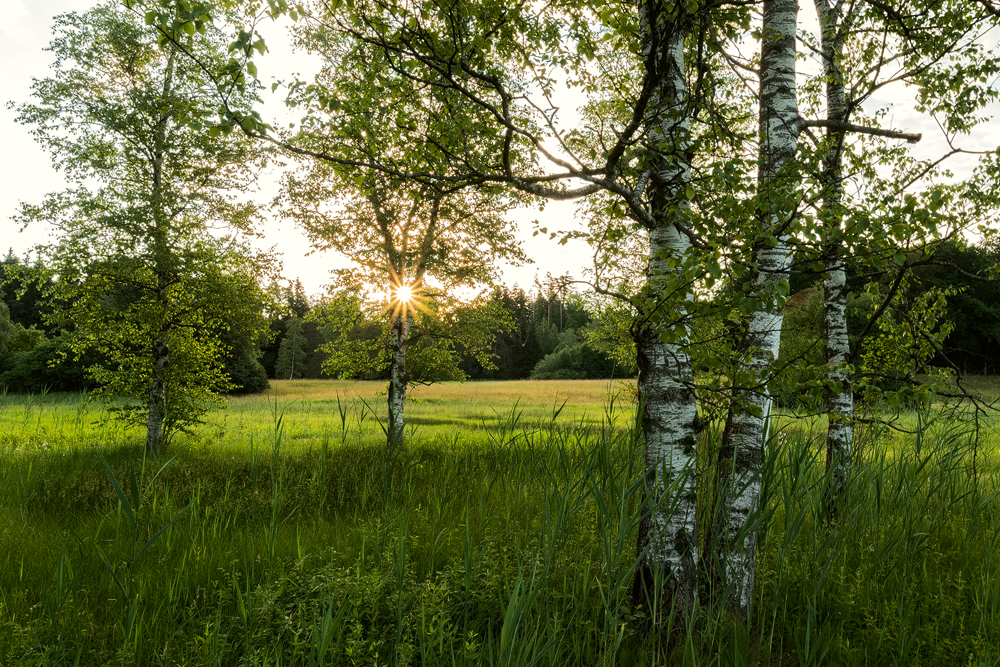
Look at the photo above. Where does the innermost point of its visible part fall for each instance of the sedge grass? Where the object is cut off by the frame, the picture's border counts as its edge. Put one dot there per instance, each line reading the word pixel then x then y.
pixel 505 541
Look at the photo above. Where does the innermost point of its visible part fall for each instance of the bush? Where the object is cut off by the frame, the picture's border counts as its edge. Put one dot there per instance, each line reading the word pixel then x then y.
pixel 49 364
pixel 246 372
pixel 574 360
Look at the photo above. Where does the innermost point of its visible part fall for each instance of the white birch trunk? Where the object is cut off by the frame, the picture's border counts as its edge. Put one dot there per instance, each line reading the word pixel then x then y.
pixel 840 401
pixel 399 335
pixel 743 439
pixel 668 535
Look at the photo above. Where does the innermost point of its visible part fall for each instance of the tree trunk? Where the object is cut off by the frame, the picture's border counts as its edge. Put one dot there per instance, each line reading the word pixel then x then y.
pixel 399 334
pixel 157 399
pixel 840 393
pixel 734 539
pixel 161 350
pixel 668 536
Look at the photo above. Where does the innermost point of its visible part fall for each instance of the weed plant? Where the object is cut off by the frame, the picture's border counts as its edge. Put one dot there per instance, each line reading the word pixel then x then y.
pixel 511 543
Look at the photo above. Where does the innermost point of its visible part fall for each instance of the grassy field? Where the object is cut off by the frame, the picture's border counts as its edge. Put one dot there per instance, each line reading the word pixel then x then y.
pixel 283 533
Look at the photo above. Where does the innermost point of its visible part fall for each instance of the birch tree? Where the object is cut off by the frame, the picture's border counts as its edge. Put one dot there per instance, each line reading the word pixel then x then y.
pixel 741 451
pixel 778 204
pixel 144 282
pixel 416 239
pixel 940 54
pixel 417 249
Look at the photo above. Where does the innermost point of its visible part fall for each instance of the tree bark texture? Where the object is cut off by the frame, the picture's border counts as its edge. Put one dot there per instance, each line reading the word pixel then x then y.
pixel 399 335
pixel 840 395
pixel 668 536
pixel 734 538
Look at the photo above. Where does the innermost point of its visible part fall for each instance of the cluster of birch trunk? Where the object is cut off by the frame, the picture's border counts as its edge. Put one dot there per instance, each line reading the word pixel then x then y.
pixel 669 540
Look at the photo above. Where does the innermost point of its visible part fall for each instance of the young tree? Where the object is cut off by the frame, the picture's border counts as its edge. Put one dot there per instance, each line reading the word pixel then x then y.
pixel 140 277
pixel 416 239
pixel 418 248
pixel 292 353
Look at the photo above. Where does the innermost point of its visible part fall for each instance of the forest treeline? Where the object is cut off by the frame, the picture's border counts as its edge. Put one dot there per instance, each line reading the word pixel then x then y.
pixel 554 332
pixel 551 333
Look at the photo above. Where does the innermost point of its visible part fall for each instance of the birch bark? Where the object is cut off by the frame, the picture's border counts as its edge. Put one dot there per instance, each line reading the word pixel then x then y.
pixel 668 537
pixel 157 398
pixel 741 454
pixel 399 334
pixel 840 395
pixel 396 246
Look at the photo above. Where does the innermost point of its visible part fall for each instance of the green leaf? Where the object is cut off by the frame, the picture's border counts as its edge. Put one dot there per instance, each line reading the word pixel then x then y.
pixel 111 571
pixel 118 490
pixel 160 532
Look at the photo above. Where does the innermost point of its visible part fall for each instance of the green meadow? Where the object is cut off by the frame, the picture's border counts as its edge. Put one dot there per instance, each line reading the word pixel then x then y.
pixel 283 532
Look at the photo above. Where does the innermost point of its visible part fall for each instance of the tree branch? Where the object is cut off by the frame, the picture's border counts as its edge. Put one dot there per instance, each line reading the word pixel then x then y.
pixel 861 129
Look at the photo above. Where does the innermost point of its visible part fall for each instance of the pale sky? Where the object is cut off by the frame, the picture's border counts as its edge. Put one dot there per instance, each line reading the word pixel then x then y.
pixel 26 175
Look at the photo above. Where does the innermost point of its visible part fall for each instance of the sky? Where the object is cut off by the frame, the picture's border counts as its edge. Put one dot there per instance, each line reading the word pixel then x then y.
pixel 26 174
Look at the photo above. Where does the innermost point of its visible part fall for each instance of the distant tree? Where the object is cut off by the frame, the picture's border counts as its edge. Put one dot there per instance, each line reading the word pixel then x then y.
pixel 45 363
pixel 243 340
pixel 359 328
pixel 292 354
pixel 974 310
pixel 7 330
pixel 23 291
pixel 515 351
pixel 575 359
pixel 295 297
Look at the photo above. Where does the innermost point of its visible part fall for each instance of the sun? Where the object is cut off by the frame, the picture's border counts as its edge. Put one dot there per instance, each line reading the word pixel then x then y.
pixel 404 294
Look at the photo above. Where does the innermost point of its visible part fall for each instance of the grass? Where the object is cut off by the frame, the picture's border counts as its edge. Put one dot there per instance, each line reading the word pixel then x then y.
pixel 503 534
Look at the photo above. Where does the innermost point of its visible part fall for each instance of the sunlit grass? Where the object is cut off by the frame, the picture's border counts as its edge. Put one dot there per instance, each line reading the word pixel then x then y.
pixel 502 533
pixel 312 409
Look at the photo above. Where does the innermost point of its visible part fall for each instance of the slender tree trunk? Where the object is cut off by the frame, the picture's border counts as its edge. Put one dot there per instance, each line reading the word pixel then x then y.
pixel 734 540
pixel 157 398
pixel 668 536
pixel 399 335
pixel 840 393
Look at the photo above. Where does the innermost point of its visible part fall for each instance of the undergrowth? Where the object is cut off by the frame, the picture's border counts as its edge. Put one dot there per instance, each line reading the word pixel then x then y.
pixel 516 548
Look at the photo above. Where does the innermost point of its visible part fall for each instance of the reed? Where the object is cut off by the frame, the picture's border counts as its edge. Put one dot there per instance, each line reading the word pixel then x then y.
pixel 508 542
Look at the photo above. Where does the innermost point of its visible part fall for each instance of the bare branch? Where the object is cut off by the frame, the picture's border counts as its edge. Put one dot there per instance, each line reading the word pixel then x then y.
pixel 861 129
